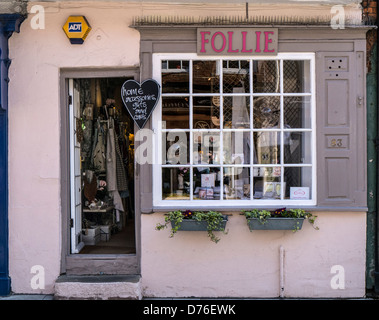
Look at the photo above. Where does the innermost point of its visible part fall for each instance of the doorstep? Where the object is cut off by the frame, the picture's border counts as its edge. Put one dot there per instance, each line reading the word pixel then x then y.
pixel 98 287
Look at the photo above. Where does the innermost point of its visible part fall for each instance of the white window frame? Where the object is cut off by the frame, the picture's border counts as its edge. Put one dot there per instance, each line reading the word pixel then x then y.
pixel 158 202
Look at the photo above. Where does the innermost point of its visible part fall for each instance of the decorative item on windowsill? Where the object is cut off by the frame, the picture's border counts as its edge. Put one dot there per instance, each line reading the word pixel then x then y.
pixel 183 172
pixel 209 221
pixel 280 219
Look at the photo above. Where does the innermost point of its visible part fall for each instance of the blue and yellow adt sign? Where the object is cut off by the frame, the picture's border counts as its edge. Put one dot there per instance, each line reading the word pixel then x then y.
pixel 76 29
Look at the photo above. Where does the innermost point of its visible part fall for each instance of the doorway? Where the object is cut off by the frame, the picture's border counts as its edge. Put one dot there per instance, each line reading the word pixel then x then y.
pixel 101 168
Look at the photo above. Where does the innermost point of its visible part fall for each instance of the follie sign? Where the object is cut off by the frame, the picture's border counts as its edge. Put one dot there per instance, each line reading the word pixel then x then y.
pixel 76 29
pixel 140 99
pixel 237 41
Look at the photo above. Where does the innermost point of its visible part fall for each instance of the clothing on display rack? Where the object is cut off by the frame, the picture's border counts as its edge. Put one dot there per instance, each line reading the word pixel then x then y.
pixel 115 171
pixel 98 154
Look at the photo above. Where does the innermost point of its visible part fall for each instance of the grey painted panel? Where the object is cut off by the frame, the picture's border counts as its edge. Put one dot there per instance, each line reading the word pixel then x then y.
pixel 337 102
pixel 297 34
pixel 338 177
pixel 299 46
pixel 144 171
pixel 182 47
pixel 337 114
pixel 360 122
pixel 341 137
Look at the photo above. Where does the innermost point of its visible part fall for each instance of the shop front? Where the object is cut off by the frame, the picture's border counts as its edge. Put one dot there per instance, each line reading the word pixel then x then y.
pixel 243 116
pixel 260 118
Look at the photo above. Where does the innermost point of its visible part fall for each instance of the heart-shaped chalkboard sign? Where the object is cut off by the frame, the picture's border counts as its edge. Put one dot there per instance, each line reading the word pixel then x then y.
pixel 140 99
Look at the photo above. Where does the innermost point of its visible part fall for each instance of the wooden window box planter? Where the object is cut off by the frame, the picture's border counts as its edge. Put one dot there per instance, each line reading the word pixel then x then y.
pixel 194 225
pixel 275 224
pixel 280 219
pixel 209 221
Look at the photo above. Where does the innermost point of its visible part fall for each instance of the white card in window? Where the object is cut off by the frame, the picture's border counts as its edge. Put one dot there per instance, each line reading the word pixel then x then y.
pixel 208 180
pixel 276 172
pixel 299 193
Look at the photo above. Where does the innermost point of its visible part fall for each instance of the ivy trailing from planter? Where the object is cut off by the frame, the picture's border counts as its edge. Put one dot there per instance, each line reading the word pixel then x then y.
pixel 214 221
pixel 264 215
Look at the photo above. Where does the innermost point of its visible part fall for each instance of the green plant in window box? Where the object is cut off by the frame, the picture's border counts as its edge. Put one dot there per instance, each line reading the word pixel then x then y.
pixel 188 220
pixel 280 219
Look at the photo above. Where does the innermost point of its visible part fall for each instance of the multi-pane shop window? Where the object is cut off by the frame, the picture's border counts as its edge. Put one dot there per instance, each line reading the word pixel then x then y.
pixel 235 131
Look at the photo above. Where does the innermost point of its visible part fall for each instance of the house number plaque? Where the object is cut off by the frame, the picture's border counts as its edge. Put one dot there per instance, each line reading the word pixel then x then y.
pixel 337 142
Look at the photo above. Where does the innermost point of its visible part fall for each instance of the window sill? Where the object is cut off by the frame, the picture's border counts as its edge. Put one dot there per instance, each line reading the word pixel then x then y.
pixel 239 208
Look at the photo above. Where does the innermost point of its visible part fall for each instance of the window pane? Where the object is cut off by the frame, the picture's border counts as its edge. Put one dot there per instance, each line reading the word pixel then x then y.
pixel 297 112
pixel 236 76
pixel 266 112
pixel 299 179
pixel 236 147
pixel 206 77
pixel 266 76
pixel 236 111
pixel 206 183
pixel 206 147
pixel 176 183
pixel 175 147
pixel 206 112
pixel 236 183
pixel 262 144
pixel 175 76
pixel 267 147
pixel 175 113
pixel 296 76
pixel 267 182
pixel 297 147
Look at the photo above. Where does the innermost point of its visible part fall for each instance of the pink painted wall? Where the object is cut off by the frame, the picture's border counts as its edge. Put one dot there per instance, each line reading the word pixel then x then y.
pixel 242 264
pixel 34 127
pixel 246 264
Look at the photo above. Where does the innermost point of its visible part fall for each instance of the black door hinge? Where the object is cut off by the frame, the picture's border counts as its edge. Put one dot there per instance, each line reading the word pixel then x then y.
pixel 71 223
pixel 69 100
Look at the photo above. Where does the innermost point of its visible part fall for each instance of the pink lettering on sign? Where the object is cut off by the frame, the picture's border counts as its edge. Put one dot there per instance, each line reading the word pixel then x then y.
pixel 244 34
pixel 258 35
pixel 230 39
pixel 267 41
pixel 223 42
pixel 299 193
pixel 203 40
pixel 237 41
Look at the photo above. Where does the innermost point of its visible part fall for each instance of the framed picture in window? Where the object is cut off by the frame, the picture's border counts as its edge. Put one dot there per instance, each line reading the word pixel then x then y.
pixel 206 193
pixel 272 189
pixel 203 193
pixel 208 180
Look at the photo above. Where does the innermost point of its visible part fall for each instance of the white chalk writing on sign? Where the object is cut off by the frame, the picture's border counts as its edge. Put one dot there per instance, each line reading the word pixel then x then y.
pixel 140 99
